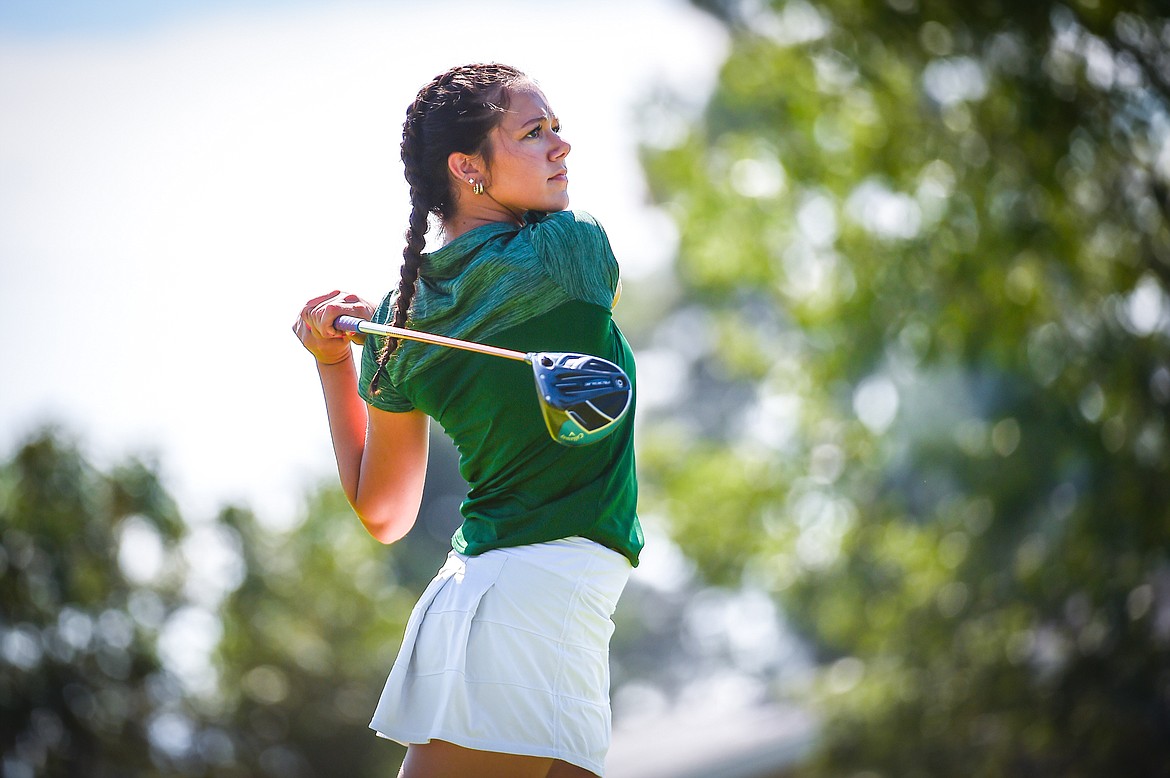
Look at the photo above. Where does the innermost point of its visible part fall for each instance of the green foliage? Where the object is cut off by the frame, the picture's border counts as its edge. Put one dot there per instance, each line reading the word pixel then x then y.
pixel 308 639
pixel 81 682
pixel 943 232
pixel 107 594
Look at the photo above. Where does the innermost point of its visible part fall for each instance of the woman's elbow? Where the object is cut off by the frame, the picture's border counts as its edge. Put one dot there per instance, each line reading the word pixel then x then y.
pixel 386 526
pixel 387 532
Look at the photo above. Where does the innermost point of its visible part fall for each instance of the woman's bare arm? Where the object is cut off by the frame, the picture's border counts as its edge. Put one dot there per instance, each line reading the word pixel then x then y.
pixel 381 456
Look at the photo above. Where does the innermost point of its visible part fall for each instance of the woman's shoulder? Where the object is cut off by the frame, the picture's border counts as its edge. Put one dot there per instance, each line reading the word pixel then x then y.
pixel 575 251
pixel 385 309
pixel 567 230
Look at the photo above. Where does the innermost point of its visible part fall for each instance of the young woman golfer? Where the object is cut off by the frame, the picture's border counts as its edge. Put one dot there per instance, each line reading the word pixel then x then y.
pixel 504 668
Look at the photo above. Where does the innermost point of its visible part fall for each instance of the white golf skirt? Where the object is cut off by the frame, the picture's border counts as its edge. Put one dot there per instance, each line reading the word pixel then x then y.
pixel 509 651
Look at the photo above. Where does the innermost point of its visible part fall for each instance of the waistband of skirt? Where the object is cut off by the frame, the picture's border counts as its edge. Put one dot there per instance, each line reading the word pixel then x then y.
pixel 573 558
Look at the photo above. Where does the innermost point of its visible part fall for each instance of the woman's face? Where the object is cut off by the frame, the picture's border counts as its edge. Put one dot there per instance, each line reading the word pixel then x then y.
pixel 527 170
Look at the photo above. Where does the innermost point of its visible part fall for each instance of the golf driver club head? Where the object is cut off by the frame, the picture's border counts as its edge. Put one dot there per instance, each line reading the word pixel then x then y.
pixel 583 398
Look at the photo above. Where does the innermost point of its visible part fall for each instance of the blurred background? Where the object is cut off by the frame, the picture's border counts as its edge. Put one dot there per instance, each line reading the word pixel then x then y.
pixel 896 274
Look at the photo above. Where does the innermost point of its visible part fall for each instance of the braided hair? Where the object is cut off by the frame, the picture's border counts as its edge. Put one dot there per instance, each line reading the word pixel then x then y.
pixel 453 113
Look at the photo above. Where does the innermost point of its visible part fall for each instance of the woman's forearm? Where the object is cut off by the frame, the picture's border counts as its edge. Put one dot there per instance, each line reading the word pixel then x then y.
pixel 347 421
pixel 381 456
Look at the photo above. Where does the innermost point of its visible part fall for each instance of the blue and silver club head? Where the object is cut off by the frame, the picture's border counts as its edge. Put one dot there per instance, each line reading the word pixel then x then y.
pixel 583 398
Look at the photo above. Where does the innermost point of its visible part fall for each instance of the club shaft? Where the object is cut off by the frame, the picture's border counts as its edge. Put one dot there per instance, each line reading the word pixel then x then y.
pixel 354 324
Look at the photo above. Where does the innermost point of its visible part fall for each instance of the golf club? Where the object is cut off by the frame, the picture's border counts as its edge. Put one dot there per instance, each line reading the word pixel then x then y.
pixel 582 398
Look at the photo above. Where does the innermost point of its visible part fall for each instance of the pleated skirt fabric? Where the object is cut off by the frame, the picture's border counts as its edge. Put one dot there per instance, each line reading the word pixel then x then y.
pixel 509 651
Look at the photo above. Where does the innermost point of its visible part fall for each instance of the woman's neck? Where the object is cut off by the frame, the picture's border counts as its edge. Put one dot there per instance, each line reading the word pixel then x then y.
pixel 467 220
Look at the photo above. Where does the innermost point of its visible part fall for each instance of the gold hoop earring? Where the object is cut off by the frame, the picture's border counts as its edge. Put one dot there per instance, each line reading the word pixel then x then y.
pixel 476 186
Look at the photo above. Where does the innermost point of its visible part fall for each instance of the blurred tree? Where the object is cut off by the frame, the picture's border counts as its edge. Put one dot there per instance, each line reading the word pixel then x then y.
pixel 921 305
pixel 311 632
pixel 133 642
pixel 81 684
pixel 310 636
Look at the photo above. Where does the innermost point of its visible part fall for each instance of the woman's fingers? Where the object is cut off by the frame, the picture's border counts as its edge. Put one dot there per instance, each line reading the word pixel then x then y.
pixel 319 313
pixel 318 300
pixel 362 310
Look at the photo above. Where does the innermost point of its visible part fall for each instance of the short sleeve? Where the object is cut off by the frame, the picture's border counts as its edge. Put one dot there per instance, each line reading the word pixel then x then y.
pixel 575 251
pixel 388 397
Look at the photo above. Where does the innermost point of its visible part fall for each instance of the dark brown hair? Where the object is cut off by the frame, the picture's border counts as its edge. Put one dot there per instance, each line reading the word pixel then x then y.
pixel 453 113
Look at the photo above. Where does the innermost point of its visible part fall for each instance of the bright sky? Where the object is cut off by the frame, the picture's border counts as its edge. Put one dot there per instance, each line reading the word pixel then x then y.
pixel 177 178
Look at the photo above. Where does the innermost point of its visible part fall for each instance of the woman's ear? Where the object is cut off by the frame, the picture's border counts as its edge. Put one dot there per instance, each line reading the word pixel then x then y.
pixel 466 167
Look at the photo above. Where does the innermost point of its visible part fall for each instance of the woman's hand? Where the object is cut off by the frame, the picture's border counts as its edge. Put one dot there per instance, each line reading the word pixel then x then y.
pixel 314 327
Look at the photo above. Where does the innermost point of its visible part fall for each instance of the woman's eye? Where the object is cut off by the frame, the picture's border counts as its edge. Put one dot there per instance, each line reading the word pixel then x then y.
pixel 538 130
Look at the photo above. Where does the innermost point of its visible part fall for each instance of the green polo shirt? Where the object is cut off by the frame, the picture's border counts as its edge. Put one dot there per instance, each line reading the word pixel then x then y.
pixel 545 286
